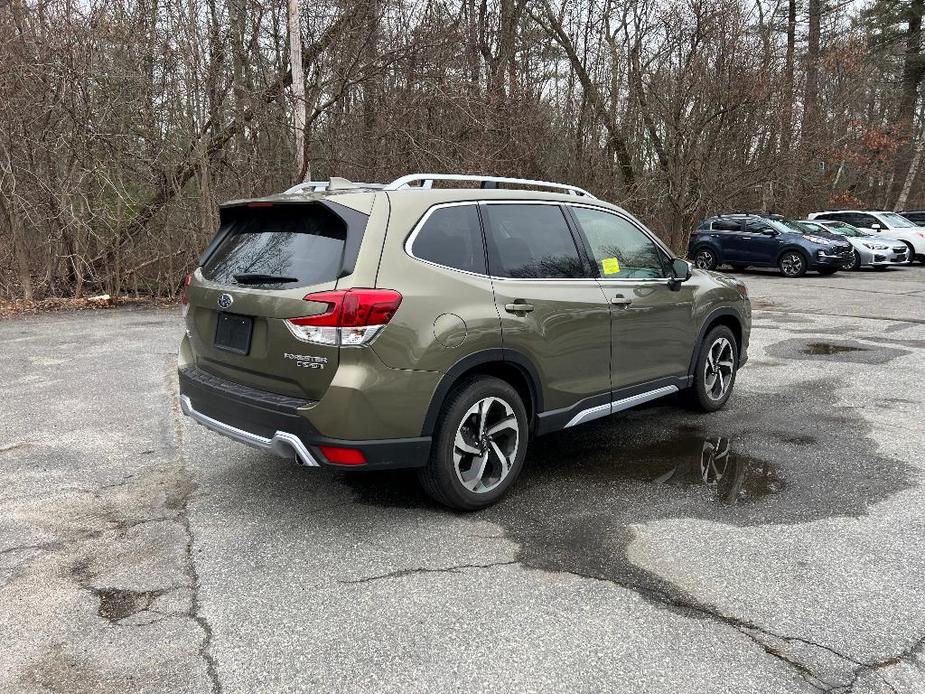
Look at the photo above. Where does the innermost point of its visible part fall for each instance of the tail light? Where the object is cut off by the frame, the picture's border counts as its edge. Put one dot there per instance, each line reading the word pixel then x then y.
pixel 353 317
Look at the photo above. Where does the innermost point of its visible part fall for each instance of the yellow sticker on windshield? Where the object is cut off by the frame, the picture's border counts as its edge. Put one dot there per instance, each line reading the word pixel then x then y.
pixel 611 266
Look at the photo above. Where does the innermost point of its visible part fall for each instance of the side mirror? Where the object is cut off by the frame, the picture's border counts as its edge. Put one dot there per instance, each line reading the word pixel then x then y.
pixel 875 226
pixel 680 272
pixel 769 232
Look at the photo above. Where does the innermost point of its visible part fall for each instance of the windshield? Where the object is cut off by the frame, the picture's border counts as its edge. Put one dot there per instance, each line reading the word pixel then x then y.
pixel 788 226
pixel 845 229
pixel 897 221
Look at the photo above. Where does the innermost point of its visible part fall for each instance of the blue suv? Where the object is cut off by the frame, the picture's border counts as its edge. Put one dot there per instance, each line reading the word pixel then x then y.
pixel 743 240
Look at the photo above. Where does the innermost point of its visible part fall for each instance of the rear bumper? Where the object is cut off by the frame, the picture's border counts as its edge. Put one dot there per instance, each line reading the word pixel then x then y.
pixel 275 424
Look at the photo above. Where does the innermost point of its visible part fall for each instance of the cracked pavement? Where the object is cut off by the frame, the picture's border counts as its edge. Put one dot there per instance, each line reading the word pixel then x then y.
pixel 139 552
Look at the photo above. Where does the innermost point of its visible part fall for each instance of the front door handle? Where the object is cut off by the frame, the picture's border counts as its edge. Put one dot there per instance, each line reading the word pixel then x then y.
pixel 519 306
pixel 621 301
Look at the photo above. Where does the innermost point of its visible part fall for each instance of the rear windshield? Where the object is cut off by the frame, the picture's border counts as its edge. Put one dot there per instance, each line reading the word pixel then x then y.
pixel 279 246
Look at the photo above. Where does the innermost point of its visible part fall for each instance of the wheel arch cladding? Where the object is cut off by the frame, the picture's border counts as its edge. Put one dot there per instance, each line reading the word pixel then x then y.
pixel 505 364
pixel 722 316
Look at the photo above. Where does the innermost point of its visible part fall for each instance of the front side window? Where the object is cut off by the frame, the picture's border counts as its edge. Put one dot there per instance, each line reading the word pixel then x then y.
pixel 861 220
pixel 620 248
pixel 757 227
pixel 530 241
pixel 897 221
pixel 727 225
pixel 452 236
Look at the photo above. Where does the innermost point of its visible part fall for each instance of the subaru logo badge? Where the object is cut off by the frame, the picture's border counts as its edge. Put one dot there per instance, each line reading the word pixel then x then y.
pixel 225 301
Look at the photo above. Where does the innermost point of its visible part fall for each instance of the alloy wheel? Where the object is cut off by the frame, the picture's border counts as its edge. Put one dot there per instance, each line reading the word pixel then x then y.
pixel 486 444
pixel 704 260
pixel 791 264
pixel 718 369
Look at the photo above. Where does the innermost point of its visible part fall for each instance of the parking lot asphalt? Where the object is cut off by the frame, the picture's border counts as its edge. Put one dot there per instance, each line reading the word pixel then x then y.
pixel 775 546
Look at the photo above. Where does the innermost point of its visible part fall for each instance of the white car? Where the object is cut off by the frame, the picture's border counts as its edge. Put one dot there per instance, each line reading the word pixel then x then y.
pixel 870 250
pixel 879 221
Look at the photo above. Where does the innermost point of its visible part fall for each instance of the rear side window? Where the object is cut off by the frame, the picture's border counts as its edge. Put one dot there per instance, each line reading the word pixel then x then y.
pixel 452 236
pixel 531 241
pixel 280 246
pixel 620 248
pixel 726 225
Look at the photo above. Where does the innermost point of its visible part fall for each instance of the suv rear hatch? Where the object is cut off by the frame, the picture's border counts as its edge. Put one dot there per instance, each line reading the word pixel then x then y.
pixel 264 260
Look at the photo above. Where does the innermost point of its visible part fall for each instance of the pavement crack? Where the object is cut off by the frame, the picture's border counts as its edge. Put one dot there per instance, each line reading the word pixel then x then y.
pixel 427 570
pixel 743 626
pixel 181 502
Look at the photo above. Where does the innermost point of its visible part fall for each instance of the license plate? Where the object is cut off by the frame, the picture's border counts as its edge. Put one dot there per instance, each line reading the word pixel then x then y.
pixel 233 333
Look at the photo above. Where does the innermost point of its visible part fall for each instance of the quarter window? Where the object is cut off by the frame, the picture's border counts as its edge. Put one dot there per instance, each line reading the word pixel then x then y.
pixel 619 247
pixel 531 241
pixel 452 236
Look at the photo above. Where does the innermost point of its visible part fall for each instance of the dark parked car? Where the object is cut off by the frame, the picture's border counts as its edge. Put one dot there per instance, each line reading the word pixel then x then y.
pixel 915 216
pixel 743 240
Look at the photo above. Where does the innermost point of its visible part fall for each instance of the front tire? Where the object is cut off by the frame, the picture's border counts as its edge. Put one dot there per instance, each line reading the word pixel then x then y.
pixel 855 262
pixel 479 447
pixel 792 264
pixel 715 371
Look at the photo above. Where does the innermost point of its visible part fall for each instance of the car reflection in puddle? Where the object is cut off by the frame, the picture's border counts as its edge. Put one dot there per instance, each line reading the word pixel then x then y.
pixel 731 477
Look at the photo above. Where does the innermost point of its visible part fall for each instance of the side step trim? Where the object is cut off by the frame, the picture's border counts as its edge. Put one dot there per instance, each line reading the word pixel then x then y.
pixel 619 405
pixel 283 444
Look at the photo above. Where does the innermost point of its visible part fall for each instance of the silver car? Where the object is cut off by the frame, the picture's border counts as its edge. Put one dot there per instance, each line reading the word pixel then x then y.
pixel 870 250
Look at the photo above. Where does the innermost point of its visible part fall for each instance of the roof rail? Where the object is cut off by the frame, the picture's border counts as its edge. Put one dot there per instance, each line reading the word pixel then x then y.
pixel 427 181
pixel 334 183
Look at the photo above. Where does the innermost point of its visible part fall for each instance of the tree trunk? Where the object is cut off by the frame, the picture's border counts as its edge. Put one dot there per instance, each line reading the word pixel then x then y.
pixel 20 249
pixel 913 165
pixel 811 93
pixel 786 127
pixel 298 88
pixel 913 72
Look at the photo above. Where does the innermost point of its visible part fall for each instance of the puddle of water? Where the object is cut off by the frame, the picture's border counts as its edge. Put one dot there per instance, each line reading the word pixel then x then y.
pixel 823 348
pixel 729 476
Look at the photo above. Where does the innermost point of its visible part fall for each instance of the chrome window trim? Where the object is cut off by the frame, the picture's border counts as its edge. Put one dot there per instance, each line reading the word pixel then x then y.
pixel 618 212
pixel 409 242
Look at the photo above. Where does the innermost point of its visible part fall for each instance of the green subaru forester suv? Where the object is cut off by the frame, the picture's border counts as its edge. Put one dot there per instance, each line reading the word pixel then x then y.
pixel 415 324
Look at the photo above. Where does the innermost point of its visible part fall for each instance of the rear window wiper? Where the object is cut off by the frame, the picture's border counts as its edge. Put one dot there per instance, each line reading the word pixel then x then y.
pixel 258 278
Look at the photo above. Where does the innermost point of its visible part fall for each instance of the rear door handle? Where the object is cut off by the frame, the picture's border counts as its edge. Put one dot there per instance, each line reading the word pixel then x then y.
pixel 621 301
pixel 519 306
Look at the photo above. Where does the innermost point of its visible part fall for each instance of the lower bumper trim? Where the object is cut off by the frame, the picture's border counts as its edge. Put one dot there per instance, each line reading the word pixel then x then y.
pixel 282 443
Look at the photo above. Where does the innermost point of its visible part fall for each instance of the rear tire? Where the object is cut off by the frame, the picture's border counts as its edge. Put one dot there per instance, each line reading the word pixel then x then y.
pixel 705 259
pixel 479 447
pixel 715 371
pixel 792 264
